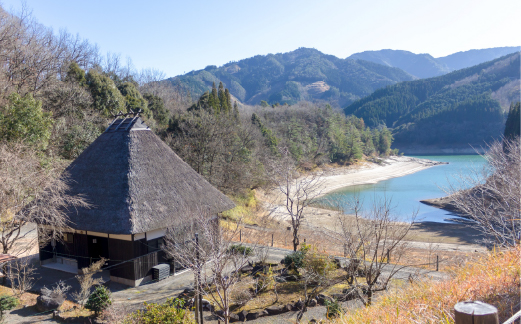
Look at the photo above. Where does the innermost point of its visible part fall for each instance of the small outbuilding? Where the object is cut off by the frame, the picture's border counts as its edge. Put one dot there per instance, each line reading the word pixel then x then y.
pixel 137 187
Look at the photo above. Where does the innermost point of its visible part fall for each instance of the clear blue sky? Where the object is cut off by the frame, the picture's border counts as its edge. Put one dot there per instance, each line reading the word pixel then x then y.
pixel 180 36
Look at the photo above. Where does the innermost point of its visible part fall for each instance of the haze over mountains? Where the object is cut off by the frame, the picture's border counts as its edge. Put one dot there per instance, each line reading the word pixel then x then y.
pixel 425 66
pixel 454 110
pixel 308 74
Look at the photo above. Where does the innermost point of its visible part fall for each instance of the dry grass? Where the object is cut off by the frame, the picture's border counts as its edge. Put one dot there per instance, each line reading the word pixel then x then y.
pixel 27 298
pixel 493 279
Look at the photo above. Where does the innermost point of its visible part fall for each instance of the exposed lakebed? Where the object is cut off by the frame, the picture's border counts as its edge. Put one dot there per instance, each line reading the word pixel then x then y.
pixel 406 192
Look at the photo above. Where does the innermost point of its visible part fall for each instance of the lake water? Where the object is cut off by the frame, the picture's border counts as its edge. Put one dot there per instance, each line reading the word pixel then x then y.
pixel 407 191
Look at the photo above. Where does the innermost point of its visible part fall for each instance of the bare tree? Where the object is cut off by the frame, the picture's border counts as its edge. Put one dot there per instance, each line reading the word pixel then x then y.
pixel 298 192
pixel 21 276
pixel 31 193
pixel 87 281
pixel 369 238
pixel 317 274
pixel 494 198
pixel 214 258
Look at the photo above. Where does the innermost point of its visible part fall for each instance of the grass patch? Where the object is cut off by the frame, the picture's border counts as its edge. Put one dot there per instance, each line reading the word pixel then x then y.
pixel 246 207
pixel 493 279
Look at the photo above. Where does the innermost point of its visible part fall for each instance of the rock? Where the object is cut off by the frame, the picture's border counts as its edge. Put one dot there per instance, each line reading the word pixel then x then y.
pixel 298 305
pixel 46 303
pixel 321 299
pixel 274 310
pixel 234 318
pixel 207 305
pixel 255 315
pixel 242 315
pixel 288 308
pixel 339 297
pixel 313 303
pixel 246 269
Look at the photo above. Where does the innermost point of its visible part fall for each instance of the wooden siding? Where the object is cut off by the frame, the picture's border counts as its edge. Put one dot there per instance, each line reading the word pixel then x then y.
pixel 120 250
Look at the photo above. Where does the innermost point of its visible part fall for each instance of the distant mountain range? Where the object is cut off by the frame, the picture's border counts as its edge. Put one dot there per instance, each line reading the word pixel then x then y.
pixel 425 66
pixel 303 74
pixel 463 107
pixel 308 74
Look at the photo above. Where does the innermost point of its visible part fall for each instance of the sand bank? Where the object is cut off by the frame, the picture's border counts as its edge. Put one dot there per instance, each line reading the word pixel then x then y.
pixel 368 173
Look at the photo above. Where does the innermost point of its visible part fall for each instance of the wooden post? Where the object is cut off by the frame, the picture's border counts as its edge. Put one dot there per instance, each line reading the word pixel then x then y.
pixel 240 235
pixel 437 262
pixel 476 312
pixel 271 239
pixel 388 256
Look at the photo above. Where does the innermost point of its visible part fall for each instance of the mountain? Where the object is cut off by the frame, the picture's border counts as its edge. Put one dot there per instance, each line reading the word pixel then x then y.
pixel 303 74
pixel 417 65
pixel 461 60
pixel 425 66
pixel 454 110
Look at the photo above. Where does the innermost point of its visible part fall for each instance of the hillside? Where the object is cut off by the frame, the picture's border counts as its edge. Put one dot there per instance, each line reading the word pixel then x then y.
pixel 417 65
pixel 303 74
pixel 425 66
pixel 452 111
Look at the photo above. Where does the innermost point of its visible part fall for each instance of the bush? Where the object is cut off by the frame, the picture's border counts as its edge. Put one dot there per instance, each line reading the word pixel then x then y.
pixel 333 308
pixel 99 300
pixel 240 249
pixel 7 303
pixel 171 312
pixel 295 260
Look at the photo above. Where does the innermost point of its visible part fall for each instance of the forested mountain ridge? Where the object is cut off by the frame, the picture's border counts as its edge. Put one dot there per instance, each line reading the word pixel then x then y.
pixel 303 74
pixel 457 109
pixel 426 66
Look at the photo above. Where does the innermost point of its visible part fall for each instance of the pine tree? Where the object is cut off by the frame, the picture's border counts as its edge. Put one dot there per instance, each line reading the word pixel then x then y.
pixel 236 111
pixel 512 125
pixel 222 98
pixel 228 98
pixel 213 100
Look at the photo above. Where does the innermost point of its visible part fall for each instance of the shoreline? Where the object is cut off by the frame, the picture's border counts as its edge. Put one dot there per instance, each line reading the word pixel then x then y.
pixel 371 173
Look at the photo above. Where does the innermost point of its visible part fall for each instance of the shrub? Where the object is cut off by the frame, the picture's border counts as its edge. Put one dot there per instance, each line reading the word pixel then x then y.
pixel 7 303
pixel 99 300
pixel 333 308
pixel 295 260
pixel 171 312
pixel 240 249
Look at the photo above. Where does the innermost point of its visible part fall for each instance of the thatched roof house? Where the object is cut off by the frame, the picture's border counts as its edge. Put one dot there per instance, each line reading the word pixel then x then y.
pixel 137 187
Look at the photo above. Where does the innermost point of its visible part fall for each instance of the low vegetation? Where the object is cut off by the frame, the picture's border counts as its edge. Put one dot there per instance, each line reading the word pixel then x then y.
pixel 493 279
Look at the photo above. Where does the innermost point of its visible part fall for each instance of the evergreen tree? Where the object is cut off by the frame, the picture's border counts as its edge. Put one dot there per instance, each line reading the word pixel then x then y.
pixel 235 111
pixel 24 120
pixel 228 102
pixel 213 99
pixel 222 98
pixel 75 73
pixel 512 125
pixel 107 98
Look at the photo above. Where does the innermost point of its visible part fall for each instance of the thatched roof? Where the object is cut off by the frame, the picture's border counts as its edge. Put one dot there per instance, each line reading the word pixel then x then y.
pixel 136 183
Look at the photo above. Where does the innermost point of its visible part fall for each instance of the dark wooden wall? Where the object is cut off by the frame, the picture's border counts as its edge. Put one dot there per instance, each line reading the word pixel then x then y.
pixel 119 251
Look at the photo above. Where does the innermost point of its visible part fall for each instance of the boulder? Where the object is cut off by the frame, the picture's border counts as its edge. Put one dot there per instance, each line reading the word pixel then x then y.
pixel 246 269
pixel 288 308
pixel 313 303
pixel 242 315
pixel 339 297
pixel 255 315
pixel 275 310
pixel 46 303
pixel 321 299
pixel 234 318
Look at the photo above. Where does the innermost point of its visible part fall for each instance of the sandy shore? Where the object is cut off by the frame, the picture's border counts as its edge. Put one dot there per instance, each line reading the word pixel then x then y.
pixel 368 173
pixel 451 236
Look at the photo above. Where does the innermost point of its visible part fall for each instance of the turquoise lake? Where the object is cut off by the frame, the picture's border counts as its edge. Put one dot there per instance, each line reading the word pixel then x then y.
pixel 407 191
